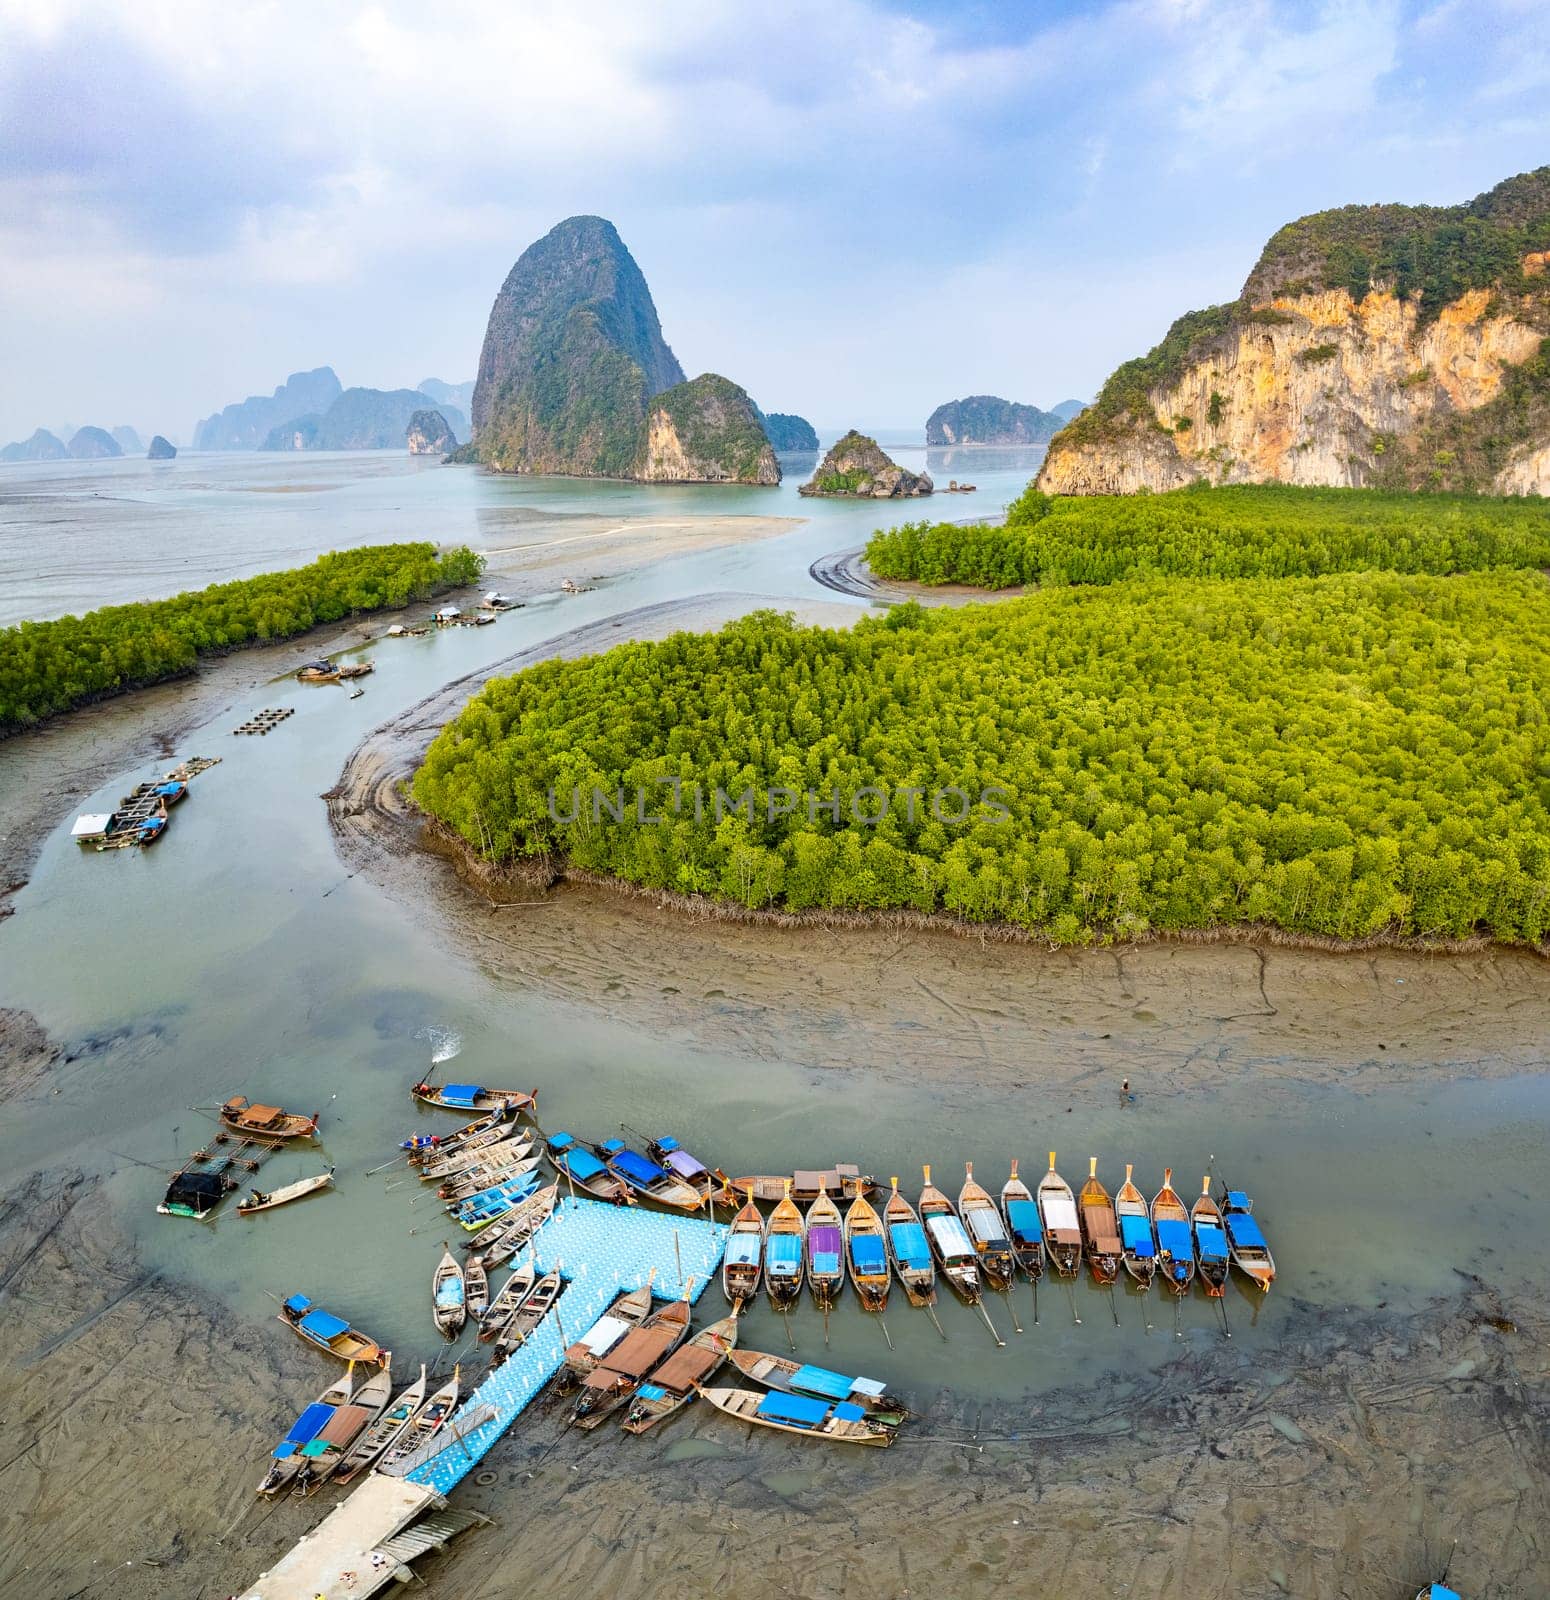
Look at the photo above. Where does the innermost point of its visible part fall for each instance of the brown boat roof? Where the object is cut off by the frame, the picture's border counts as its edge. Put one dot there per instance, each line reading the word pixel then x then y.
pixel 686 1367
pixel 638 1352
pixel 258 1114
pixel 345 1423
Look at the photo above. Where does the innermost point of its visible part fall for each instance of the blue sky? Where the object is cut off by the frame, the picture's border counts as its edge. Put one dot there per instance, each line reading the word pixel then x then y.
pixel 855 208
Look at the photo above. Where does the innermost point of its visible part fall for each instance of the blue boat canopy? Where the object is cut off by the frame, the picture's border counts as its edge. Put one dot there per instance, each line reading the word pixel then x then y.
pixel 866 1253
pixel 795 1408
pixel 1243 1230
pixel 635 1168
pixel 324 1325
pixel 1135 1233
pixel 846 1412
pixel 1023 1217
pixel 297 1302
pixel 820 1381
pixel 651 1391
pixel 667 1145
pixel 1440 1591
pixel 582 1165
pixel 743 1249
pixel 461 1094
pixel 1212 1242
pixel 783 1255
pixel 1173 1237
pixel 909 1245
pixel 307 1426
pixel 1237 1197
pixel 611 1147
pixel 561 1141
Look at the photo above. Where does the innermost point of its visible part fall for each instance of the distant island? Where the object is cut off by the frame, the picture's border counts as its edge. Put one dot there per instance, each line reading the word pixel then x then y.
pixel 788 433
pixel 856 468
pixel 41 446
pixel 161 450
pixel 94 444
pixel 429 434
pixel 576 378
pixel 246 424
pixel 988 419
pixel 360 419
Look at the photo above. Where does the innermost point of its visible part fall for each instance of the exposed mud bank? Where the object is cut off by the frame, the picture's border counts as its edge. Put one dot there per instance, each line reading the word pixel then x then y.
pixel 846 572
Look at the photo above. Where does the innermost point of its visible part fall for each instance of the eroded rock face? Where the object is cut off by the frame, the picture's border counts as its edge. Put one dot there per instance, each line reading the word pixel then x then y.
pixel 856 467
pixel 428 434
pixel 246 424
pixel 161 449
pixel 706 431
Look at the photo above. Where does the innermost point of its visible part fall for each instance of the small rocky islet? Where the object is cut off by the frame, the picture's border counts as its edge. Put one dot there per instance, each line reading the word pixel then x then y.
pixel 856 467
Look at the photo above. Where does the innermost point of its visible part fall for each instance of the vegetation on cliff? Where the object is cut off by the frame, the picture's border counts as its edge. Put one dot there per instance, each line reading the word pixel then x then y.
pixel 48 667
pixel 789 432
pixel 1273 531
pixel 856 466
pixel 705 431
pixel 1345 755
pixel 988 419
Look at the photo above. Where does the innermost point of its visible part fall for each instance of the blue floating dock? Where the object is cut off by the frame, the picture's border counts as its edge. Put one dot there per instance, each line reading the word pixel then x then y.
pixel 601 1251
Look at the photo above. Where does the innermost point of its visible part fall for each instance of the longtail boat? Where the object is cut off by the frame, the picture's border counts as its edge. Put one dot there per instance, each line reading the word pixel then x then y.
pixel 796 1377
pixel 329 1333
pixel 1205 1217
pixel 1100 1232
pixel 986 1228
pixel 950 1244
pixel 844 1178
pixel 483 1208
pixel 532 1311
pixel 1062 1231
pixel 474 1097
pixel 384 1431
pixel 1138 1245
pixel 581 1169
pixel 784 1236
pixel 487 1175
pixel 825 1251
pixel 646 1178
pixel 742 1264
pixel 908 1250
pixel 513 1230
pixel 486 1148
pixel 476 1289
pixel 285 1459
pixel 1023 1225
pixel 866 1255
pixel 426 1422
pixel 1247 1244
pixel 422 1149
pixel 503 1308
pixel 625 1313
pixel 1175 1243
pixel 617 1376
pixel 323 1455
pixel 244 1116
pixel 672 1384
pixel 843 1422
pixel 448 1295
pixel 267 1200
pixel 667 1152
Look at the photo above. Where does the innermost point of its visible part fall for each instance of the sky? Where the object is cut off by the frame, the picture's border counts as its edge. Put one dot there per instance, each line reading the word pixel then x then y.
pixel 857 209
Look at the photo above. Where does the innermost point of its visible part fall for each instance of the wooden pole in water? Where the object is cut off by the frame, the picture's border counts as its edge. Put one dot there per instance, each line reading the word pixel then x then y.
pixel 678 1256
pixel 1071 1292
pixel 1112 1306
pixel 931 1312
pixel 883 1324
pixel 979 1305
pixel 1036 1302
pixel 1006 1295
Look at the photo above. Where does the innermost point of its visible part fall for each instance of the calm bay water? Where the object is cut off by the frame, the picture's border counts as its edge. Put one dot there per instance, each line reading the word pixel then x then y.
pixel 239 955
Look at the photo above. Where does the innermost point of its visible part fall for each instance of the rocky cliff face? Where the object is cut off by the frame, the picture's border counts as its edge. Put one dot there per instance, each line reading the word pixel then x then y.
pixel 94 444
pixel 1406 374
pixel 42 446
pixel 572 355
pixel 705 431
pixel 247 424
pixel 429 435
pixel 161 450
pixel 855 466
pixel 988 419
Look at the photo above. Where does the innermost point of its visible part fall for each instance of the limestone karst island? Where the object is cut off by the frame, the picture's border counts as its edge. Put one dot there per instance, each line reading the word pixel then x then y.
pixel 776 801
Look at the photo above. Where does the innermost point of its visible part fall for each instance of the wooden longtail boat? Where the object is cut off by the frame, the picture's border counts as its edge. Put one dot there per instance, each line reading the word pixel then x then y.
pixel 1138 1245
pixel 1247 1244
pixel 617 1376
pixel 329 1333
pixel 580 1169
pixel 267 1200
pixel 1175 1242
pixel 908 1250
pixel 448 1295
pixel 242 1115
pixel 1023 1225
pixel 426 1422
pixel 1062 1230
pixel 384 1431
pixel 512 1231
pixel 784 1236
pixel 866 1255
pixel 983 1222
pixel 673 1383
pixel 646 1178
pixel 825 1251
pixel 322 1456
pixel 842 1423
pixel 667 1152
pixel 844 1178
pixel 1100 1232
pixel 625 1313
pixel 472 1097
pixel 487 1175
pixel 476 1289
pixel 481 1209
pixel 1211 1255
pixel 503 1308
pixel 742 1264
pixel 532 1311
pixel 481 1151
pixel 421 1149
pixel 950 1243
pixel 795 1377
pixel 285 1459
